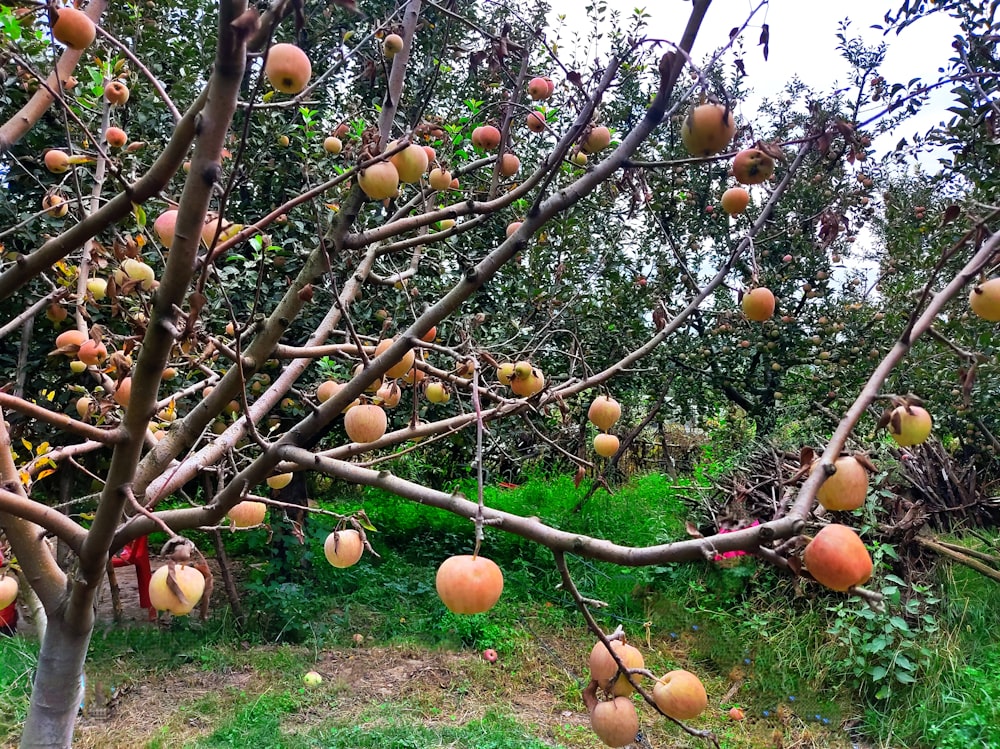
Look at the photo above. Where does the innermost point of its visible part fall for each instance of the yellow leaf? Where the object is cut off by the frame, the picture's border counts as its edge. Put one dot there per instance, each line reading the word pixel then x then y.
pixel 87 516
pixel 42 449
pixel 27 445
pixel 140 240
pixel 43 474
pixel 25 478
pixel 50 395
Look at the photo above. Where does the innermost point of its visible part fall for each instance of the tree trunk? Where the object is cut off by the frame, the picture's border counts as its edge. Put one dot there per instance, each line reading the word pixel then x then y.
pixel 57 690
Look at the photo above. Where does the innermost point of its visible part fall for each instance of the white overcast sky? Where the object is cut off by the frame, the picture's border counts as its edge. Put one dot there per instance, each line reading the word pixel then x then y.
pixel 804 43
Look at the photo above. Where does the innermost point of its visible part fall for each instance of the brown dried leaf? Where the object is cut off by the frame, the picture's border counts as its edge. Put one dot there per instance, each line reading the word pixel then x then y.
pixel 773 150
pixel 692 530
pixel 765 35
pixel 866 462
pixel 173 586
pixel 895 425
pixel 806 456
pixel 580 473
pixel 795 565
pixel 951 213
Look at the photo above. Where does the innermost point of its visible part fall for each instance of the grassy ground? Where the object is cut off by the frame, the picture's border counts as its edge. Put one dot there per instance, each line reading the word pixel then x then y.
pixel 802 663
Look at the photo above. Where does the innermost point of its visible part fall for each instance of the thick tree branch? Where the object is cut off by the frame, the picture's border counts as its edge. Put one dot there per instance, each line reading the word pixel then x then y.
pixel 61 421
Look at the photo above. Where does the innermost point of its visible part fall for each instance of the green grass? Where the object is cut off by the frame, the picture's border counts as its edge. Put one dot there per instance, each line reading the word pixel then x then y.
pixel 18 657
pixel 956 703
pixel 381 728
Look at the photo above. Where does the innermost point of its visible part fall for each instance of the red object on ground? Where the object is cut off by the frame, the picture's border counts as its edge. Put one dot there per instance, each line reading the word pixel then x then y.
pixel 507 485
pixel 137 553
pixel 8 615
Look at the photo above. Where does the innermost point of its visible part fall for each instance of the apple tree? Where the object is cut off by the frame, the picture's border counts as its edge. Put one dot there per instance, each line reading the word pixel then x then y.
pixel 255 242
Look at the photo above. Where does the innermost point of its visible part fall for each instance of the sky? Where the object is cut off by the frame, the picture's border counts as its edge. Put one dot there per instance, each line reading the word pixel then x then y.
pixel 803 42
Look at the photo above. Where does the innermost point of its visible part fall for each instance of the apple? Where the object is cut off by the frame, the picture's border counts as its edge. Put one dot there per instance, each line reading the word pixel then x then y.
pixel 279 480
pixel 536 122
pixel 69 341
pixel 56 313
pixel 402 365
pixel 439 179
pixel 343 548
pixel 312 679
pixel 55 204
pixel 539 89
pixel 615 722
pixel 190 582
pixel 469 584
pixel 758 304
pixel 436 392
pixel 389 394
pixel 606 445
pixel 752 166
pixel 846 489
pixel 136 270
pixel 512 227
pixel 8 590
pixel 707 129
pixel 56 161
pixel 909 425
pixel 392 45
pixel 486 137
pixel 598 139
pixel 365 423
pixel 505 372
pixel 247 513
pixel 92 352
pixel 123 393
pixel 490 655
pixel 116 93
pixel 985 300
pixel 115 137
pixel 509 165
pixel 333 145
pixel 604 412
pixel 379 181
pixel 287 68
pixel 73 28
pixel 164 227
pixel 410 163
pixel 837 558
pixel 680 694
pixel 735 201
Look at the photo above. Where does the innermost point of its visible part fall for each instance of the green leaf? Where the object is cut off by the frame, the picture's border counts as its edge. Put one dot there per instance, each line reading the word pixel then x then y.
pixel 899 623
pixel 905 678
pixel 903 662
